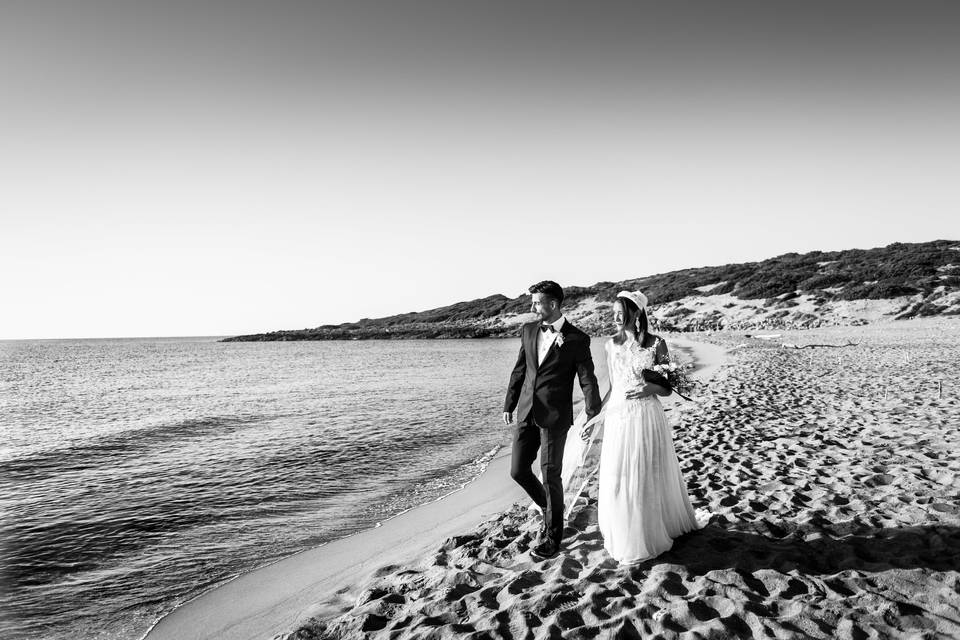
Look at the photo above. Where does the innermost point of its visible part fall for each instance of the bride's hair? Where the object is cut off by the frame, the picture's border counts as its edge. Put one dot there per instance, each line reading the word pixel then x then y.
pixel 635 317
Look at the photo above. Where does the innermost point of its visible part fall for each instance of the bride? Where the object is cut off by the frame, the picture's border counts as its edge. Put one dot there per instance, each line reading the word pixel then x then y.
pixel 643 502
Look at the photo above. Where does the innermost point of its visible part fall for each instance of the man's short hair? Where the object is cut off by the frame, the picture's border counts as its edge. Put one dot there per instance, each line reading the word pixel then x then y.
pixel 550 288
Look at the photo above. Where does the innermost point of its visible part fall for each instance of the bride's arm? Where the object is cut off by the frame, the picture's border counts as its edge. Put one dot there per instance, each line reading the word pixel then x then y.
pixel 608 351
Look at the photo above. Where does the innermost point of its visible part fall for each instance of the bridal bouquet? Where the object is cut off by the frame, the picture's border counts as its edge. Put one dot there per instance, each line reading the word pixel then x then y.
pixel 672 375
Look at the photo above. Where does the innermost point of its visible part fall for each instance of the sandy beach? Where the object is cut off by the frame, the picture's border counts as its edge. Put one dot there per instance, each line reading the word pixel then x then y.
pixel 833 485
pixel 834 498
pixel 325 581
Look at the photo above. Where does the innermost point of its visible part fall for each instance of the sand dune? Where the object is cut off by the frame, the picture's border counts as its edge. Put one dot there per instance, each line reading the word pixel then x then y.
pixel 834 485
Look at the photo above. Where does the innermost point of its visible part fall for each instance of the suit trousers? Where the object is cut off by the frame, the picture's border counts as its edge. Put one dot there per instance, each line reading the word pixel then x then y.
pixel 546 492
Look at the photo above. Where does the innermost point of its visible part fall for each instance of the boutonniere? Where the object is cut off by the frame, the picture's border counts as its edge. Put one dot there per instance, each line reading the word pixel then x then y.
pixel 559 340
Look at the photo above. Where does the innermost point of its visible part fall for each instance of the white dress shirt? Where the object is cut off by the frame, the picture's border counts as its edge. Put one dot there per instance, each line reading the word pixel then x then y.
pixel 545 339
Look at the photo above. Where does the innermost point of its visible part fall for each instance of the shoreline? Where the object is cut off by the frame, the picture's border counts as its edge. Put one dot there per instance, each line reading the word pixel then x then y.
pixel 324 581
pixel 833 514
pixel 255 604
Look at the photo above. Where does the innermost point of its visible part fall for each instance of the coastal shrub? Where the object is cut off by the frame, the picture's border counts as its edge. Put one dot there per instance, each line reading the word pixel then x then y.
pixel 721 289
pixel 759 286
pixel 877 291
pixel 824 281
pixel 930 309
pixel 922 309
pixel 677 312
pixel 783 303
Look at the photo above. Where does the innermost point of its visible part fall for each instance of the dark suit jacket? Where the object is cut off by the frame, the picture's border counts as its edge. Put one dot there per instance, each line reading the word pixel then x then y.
pixel 544 394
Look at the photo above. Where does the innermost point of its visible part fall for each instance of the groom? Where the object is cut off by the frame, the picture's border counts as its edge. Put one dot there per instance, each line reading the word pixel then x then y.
pixel 552 351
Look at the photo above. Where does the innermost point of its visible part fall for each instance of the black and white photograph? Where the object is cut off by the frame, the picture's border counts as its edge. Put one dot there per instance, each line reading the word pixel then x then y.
pixel 479 320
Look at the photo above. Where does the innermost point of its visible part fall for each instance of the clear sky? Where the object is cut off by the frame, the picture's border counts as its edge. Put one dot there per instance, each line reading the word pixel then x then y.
pixel 210 168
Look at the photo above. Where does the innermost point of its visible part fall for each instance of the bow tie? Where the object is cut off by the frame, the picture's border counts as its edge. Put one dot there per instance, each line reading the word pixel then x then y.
pixel 548 327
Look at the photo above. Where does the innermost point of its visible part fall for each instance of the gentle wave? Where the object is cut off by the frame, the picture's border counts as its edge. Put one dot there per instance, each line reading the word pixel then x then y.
pixel 171 467
pixel 126 444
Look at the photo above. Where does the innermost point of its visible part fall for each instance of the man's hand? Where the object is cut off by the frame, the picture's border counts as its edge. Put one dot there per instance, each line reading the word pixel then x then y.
pixel 507 417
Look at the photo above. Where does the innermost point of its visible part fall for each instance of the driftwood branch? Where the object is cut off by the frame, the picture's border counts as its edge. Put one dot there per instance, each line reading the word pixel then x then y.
pixel 787 345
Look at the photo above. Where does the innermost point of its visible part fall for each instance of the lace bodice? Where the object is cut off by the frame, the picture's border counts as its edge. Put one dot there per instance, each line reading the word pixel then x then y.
pixel 625 362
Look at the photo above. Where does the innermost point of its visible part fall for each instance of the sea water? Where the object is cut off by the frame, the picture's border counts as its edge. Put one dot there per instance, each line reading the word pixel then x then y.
pixel 137 473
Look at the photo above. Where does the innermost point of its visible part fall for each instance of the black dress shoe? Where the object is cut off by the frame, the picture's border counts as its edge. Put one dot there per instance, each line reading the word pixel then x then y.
pixel 545 535
pixel 546 549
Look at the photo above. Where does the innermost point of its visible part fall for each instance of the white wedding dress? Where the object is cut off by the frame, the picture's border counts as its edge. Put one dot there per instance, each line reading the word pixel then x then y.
pixel 643 502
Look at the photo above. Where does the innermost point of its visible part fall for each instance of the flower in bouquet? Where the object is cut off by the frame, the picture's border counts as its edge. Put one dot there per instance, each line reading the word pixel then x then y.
pixel 672 375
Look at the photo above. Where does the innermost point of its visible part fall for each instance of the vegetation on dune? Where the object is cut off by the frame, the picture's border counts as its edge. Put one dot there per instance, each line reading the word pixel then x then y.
pixel 919 270
pixel 887 272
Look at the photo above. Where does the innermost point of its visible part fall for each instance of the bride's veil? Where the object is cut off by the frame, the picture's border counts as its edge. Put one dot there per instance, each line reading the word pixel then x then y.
pixel 581 455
